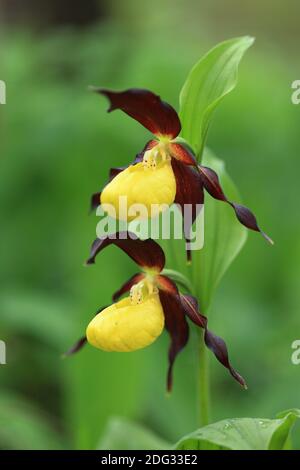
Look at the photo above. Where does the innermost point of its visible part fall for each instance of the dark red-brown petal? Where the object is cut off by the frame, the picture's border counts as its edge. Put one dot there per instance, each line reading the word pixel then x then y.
pixel 78 345
pixel 248 219
pixel 191 309
pixel 127 286
pixel 113 172
pixel 212 341
pixel 183 153
pixel 218 346
pixel 166 284
pixel 189 190
pixel 147 108
pixel 95 201
pixel 176 326
pixel 146 253
pixel 212 185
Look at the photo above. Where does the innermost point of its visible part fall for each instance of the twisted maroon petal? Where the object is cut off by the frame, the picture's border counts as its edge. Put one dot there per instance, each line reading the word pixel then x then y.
pixel 189 190
pixel 127 285
pixel 95 201
pixel 147 108
pixel 212 185
pixel 78 345
pixel 248 219
pixel 146 253
pixel 113 172
pixel 213 342
pixel 183 153
pixel 176 325
pixel 166 284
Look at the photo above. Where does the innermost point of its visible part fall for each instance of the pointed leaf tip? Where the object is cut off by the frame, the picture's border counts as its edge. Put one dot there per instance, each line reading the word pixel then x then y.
pixel 210 80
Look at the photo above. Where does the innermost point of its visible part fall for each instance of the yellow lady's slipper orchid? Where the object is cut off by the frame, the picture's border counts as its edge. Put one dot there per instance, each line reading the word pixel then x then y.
pixel 130 324
pixel 166 171
pixel 153 187
pixel 154 302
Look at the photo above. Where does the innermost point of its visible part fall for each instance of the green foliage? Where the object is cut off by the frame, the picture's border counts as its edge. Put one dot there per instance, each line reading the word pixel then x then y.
pixel 25 427
pixel 37 314
pixel 210 80
pixel 224 236
pixel 243 434
pixel 122 434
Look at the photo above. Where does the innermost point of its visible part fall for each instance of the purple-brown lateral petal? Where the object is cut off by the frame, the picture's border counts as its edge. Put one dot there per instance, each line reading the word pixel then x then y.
pixel 189 191
pixel 212 185
pixel 218 346
pixel 95 201
pixel 147 108
pixel 248 219
pixel 212 341
pixel 146 253
pixel 81 342
pixel 176 325
pixel 191 309
pixel 166 284
pixel 127 286
pixel 76 347
pixel 113 172
pixel 183 153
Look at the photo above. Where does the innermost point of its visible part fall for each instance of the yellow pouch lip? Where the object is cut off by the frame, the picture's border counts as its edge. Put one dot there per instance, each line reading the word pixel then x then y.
pixel 155 190
pixel 123 327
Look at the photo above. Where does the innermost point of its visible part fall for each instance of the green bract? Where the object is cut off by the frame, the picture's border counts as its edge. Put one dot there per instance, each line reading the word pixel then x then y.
pixel 223 237
pixel 212 78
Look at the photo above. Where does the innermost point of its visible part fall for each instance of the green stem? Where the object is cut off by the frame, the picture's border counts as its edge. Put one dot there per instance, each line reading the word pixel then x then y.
pixel 203 383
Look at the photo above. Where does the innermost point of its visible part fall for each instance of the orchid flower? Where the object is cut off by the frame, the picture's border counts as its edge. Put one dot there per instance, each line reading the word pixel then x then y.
pixel 154 302
pixel 166 171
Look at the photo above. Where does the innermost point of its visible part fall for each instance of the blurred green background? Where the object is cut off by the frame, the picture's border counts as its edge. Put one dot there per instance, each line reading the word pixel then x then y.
pixel 56 145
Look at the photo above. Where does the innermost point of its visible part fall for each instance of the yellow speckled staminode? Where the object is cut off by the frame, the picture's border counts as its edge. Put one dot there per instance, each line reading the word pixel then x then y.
pixel 141 185
pixel 125 327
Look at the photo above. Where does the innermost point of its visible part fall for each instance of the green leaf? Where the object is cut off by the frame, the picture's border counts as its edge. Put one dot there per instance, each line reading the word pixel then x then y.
pixel 24 426
pixel 243 434
pixel 212 78
pixel 122 434
pixel 224 236
pixel 47 317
